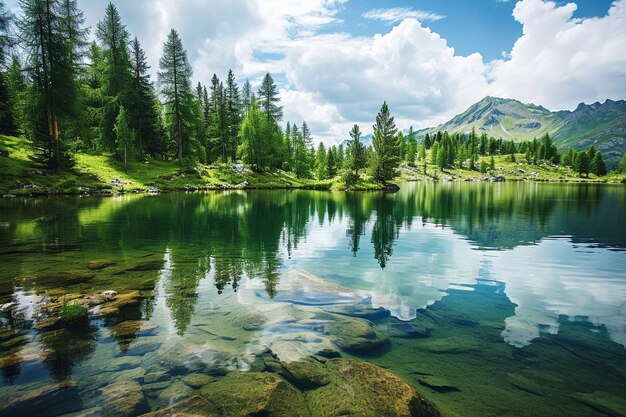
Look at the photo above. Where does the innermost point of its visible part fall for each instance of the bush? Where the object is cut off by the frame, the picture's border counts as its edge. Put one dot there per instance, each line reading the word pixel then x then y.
pixel 350 178
pixel 72 312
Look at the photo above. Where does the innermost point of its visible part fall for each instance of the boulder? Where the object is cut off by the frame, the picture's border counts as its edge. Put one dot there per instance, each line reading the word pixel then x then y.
pixel 437 383
pixel 62 398
pixel 241 394
pixel 353 335
pixel 358 388
pixel 112 307
pixel 190 407
pixel 305 374
pixel 175 392
pixel 124 398
pixel 99 264
pixel 196 380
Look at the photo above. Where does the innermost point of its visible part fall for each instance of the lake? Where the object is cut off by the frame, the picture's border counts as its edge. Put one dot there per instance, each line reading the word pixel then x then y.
pixel 488 298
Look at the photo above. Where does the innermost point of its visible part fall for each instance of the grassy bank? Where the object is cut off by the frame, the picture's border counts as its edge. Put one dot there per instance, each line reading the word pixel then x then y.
pixel 103 174
pixel 507 170
pixel 19 175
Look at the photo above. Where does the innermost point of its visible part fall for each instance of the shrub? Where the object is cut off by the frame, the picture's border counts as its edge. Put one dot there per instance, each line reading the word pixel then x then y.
pixel 72 312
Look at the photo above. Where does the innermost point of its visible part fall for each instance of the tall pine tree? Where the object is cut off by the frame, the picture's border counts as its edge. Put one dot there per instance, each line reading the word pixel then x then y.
pixel 385 158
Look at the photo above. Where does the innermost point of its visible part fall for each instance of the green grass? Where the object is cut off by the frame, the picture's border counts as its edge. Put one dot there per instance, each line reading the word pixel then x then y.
pixel 511 171
pixel 103 173
pixel 19 175
pixel 72 312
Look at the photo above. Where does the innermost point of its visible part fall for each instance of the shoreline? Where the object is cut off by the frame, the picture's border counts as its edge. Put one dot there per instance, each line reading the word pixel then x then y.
pixel 109 192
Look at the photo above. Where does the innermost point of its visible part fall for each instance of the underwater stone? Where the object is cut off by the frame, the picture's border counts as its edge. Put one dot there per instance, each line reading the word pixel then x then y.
pixel 100 264
pixel 124 398
pixel 62 398
pixel 197 380
pixel 363 389
pixel 352 334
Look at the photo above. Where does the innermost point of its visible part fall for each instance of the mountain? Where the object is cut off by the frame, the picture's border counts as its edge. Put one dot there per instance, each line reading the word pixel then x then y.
pixel 601 125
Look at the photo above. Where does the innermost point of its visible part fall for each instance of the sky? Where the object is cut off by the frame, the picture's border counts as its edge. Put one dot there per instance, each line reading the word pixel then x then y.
pixel 336 61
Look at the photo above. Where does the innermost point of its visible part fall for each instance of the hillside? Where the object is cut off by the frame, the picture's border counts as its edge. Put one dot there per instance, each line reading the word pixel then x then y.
pixel 601 125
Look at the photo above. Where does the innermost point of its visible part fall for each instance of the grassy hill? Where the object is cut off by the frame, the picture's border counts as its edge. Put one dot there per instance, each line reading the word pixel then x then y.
pixel 601 125
pixel 19 175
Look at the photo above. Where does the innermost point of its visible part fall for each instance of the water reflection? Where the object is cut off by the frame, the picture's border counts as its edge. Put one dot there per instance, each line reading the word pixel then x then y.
pixel 406 250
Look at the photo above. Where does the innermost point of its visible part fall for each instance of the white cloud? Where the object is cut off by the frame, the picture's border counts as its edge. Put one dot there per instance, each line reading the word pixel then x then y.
pixel 560 61
pixel 397 14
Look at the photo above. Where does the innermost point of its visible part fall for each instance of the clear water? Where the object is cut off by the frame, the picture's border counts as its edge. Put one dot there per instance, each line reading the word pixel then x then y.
pixel 523 286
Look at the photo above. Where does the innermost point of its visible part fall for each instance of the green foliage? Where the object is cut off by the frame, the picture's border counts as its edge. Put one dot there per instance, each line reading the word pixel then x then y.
pixel 483 166
pixel 72 312
pixel 621 167
pixel 385 158
pixel 125 137
pixel 597 165
pixel 582 163
pixel 268 99
pixel 175 84
pixel 320 162
pixel 355 154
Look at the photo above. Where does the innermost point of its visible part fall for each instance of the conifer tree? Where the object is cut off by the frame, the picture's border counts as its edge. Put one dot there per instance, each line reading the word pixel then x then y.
pixel 268 99
pixel 232 113
pixel 597 165
pixel 320 162
pixel 113 37
pixel 124 136
pixel 385 158
pixel 174 82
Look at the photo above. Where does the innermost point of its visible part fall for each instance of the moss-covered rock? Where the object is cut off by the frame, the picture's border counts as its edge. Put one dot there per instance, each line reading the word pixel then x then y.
pixel 352 334
pixel 255 394
pixel 99 264
pixel 196 380
pixel 358 388
pixel 124 398
pixel 62 398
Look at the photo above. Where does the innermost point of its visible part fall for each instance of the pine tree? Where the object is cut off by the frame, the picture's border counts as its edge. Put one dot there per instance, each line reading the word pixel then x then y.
pixel 320 162
pixel 385 158
pixel 356 158
pixel 143 118
pixel 246 96
pixel 582 163
pixel 621 167
pixel 16 84
pixel 331 162
pixel 174 82
pixel 597 165
pixel 113 37
pixel 492 164
pixel 232 113
pixel 411 150
pixel 52 93
pixel 434 153
pixel 268 99
pixel 124 136
pixel 8 123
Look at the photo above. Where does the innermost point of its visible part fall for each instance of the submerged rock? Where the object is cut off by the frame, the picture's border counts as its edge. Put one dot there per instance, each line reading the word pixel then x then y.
pixel 352 334
pixel 175 392
pixel 305 374
pixel 190 407
pixel 197 380
pixel 525 384
pixel 100 264
pixel 59 279
pixel 254 394
pixel 124 398
pixel 407 330
pixel 120 300
pixel 62 398
pixel 361 389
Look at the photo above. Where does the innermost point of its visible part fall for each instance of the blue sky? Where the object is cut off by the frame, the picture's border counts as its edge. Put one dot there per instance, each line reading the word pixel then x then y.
pixel 485 26
pixel 336 61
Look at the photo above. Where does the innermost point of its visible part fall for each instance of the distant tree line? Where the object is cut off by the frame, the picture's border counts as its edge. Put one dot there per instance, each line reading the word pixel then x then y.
pixel 68 95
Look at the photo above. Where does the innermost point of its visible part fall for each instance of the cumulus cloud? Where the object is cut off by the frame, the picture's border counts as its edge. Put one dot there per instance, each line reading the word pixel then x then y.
pixel 397 14
pixel 559 60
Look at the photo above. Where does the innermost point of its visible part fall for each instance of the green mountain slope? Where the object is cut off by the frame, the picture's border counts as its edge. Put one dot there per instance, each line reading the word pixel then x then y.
pixel 601 125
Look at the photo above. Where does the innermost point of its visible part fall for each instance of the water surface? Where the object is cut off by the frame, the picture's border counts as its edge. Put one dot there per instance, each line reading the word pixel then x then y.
pixel 522 286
